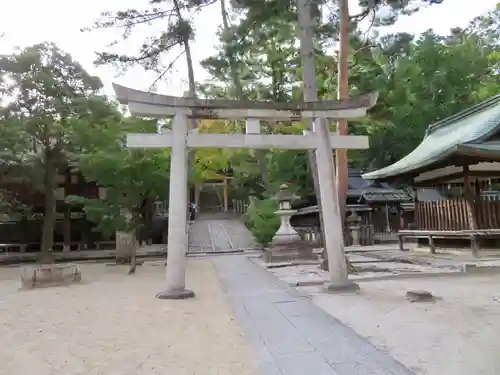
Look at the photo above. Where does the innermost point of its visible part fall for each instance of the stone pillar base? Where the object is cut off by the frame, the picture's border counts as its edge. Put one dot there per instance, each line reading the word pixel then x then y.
pixel 348 286
pixel 298 251
pixel 176 294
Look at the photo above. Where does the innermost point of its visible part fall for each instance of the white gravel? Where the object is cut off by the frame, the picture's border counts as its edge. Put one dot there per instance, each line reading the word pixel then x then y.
pixel 113 325
pixel 457 335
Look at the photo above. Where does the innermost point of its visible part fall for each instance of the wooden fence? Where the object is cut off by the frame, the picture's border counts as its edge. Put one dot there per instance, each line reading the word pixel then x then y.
pixel 239 206
pixel 455 214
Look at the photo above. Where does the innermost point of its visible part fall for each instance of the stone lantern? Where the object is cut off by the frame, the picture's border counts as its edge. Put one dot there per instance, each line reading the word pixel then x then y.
pixel 287 245
pixel 286 234
pixel 354 225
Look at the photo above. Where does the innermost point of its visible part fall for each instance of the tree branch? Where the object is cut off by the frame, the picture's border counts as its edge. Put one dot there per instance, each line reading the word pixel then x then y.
pixel 166 70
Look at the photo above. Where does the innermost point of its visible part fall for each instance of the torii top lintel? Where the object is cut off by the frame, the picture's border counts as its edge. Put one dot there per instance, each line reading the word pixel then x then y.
pixel 155 105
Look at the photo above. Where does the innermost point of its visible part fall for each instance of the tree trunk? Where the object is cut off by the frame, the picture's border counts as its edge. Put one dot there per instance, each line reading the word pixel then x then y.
pixel 341 158
pixel 49 218
pixel 343 93
pixel 307 24
pixel 189 60
pixel 238 87
pixel 133 261
pixel 67 214
pixel 192 89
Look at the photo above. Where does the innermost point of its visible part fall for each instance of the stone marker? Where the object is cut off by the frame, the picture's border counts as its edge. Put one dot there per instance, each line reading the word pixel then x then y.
pixel 419 296
pixel 46 275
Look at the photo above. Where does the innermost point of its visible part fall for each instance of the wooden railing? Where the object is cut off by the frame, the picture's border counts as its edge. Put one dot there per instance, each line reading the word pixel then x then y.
pixel 240 206
pixel 311 234
pixel 455 214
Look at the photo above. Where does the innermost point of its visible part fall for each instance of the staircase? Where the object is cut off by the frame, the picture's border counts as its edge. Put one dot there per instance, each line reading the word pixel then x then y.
pixel 210 201
pixel 218 233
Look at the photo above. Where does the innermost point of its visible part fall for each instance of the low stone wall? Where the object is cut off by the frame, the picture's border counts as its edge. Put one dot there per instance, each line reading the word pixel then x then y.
pixel 39 276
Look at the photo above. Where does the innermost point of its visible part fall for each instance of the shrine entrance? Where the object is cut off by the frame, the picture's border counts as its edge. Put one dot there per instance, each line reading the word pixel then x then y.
pixel 212 196
pixel 182 137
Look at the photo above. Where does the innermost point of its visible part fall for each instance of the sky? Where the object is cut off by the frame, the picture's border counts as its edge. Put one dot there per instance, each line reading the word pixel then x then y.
pixel 26 22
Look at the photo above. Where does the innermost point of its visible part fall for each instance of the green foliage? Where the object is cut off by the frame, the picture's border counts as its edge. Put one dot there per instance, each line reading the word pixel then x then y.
pixel 43 94
pixel 292 166
pixel 262 220
pixel 436 78
pixel 131 178
pixel 11 209
pixel 52 116
pixel 175 20
pixel 420 80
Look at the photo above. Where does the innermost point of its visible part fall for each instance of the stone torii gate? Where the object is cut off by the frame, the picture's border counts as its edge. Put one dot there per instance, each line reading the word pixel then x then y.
pixel 181 138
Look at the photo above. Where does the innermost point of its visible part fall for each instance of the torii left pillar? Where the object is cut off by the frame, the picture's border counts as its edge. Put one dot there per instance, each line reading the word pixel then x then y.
pixel 177 214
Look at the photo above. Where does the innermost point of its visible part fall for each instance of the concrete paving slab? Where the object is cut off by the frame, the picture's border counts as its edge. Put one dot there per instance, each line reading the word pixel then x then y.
pixel 290 335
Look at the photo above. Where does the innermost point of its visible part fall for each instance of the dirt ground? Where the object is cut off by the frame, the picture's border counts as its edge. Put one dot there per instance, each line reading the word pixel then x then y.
pixel 456 335
pixel 113 325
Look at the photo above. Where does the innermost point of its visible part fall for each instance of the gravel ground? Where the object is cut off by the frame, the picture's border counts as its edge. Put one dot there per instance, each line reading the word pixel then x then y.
pixel 112 325
pixel 456 335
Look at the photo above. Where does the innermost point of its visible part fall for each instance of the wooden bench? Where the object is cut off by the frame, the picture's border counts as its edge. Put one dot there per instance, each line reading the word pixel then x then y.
pixel 472 235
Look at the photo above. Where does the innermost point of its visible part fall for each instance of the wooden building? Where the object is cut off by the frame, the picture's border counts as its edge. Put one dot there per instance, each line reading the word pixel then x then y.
pixel 72 231
pixel 378 205
pixel 460 155
pixel 383 203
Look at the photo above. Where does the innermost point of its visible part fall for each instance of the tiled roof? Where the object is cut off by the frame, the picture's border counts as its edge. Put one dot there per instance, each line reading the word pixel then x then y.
pixel 459 133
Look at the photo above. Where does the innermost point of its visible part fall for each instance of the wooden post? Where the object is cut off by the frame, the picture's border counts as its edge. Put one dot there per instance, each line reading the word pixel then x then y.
pixel 469 198
pixel 471 209
pixel 387 222
pixel 416 215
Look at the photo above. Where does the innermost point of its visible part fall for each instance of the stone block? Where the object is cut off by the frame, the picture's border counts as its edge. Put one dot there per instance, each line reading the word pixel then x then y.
pixel 419 296
pixel 296 252
pixel 473 269
pixel 46 275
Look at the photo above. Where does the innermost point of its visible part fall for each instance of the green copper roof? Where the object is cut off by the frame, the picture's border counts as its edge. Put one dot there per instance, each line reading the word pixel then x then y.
pixel 464 130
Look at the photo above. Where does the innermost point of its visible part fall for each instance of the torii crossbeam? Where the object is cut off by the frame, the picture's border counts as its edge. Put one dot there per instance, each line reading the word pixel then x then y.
pixel 180 139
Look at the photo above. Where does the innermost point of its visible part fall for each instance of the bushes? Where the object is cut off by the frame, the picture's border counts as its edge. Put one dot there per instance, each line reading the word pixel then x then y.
pixel 262 221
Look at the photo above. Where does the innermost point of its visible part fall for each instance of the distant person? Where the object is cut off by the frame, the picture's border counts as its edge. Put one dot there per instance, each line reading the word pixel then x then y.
pixel 192 211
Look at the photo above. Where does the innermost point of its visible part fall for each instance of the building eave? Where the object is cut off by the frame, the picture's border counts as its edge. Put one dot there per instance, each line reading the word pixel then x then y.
pixel 446 139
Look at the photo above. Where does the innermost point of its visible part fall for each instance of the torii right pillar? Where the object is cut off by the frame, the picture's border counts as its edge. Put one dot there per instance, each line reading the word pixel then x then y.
pixel 332 221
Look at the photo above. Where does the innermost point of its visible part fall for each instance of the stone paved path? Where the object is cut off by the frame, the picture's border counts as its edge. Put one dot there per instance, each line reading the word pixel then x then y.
pixel 289 334
pixel 219 233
